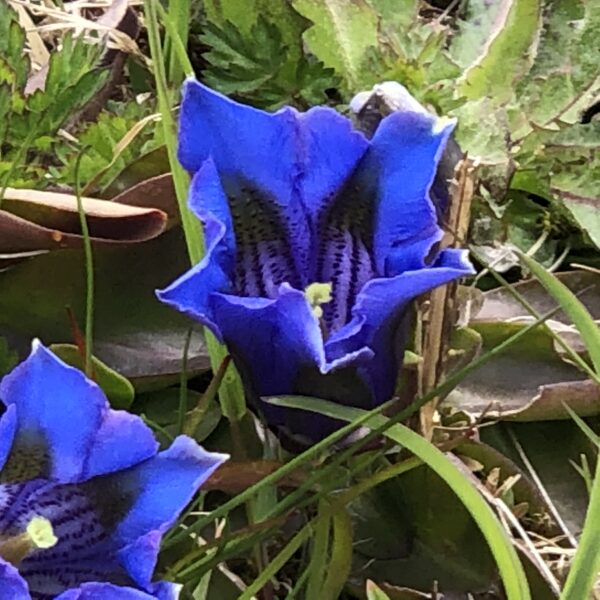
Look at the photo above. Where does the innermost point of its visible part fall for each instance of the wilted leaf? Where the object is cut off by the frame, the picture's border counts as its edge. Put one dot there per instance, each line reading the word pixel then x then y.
pixel 234 477
pixel 156 192
pixel 500 304
pixel 34 220
pixel 151 164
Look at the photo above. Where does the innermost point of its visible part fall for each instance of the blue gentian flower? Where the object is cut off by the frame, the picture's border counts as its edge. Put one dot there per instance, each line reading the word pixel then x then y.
pixel 85 496
pixel 292 199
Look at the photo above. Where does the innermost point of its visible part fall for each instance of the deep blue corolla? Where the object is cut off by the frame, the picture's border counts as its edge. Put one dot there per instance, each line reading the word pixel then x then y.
pixel 291 199
pixel 85 496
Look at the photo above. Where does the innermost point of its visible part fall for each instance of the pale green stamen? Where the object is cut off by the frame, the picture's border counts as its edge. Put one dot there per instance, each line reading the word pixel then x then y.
pixel 317 294
pixel 38 535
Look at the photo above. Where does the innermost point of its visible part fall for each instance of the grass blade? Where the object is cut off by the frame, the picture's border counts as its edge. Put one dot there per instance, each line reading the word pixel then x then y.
pixel 586 563
pixel 509 565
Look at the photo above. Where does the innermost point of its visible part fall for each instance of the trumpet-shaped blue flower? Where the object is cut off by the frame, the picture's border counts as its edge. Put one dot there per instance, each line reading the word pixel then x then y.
pixel 85 496
pixel 290 199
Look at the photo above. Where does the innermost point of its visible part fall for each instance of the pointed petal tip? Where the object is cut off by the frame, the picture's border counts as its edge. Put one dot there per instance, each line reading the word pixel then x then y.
pixel 184 447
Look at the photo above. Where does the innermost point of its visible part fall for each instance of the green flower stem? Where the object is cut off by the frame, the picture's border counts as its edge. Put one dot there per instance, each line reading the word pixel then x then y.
pixel 89 272
pixel 231 392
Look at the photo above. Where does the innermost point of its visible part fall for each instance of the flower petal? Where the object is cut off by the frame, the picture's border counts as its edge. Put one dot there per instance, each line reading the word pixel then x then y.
pixel 161 487
pixel 277 346
pixel 104 591
pixel 190 294
pixel 270 150
pixel 378 319
pixel 122 440
pixel 59 410
pixel 382 221
pixel 139 558
pixel 278 171
pixel 12 585
pixel 400 168
pixel 8 428
pixel 65 429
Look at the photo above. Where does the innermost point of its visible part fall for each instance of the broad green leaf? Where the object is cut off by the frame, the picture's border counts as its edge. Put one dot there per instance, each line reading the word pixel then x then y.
pixel 117 388
pixel 135 333
pixel 509 565
pixel 585 210
pixel 505 55
pixel 342 34
pixel 572 306
pixel 483 131
pixel 405 541
pixel 475 30
pixel 548 447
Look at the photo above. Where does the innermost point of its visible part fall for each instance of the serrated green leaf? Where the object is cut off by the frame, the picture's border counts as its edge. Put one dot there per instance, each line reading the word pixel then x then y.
pixel 12 43
pixel 244 16
pixel 258 69
pixel 240 64
pixel 342 33
pixel 505 54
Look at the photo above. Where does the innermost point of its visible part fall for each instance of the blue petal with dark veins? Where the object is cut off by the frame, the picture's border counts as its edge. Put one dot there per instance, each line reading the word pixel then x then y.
pixel 107 493
pixel 288 199
pixel 12 585
pixel 78 439
pixel 105 591
pixel 377 319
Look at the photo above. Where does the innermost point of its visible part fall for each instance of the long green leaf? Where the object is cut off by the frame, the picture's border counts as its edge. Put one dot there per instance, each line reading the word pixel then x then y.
pixel 586 563
pixel 509 565
pixel 340 564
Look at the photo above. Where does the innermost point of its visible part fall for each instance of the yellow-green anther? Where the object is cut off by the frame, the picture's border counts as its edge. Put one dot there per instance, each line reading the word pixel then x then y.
pixel 317 294
pixel 41 533
pixel 38 535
